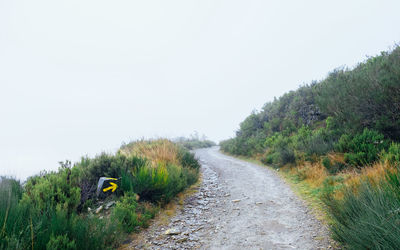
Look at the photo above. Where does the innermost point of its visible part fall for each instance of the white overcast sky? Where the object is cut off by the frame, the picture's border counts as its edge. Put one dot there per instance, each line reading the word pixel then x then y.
pixel 80 77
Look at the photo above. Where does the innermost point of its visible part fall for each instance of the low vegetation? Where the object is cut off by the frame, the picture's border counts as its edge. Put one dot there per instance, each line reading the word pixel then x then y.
pixel 56 210
pixel 194 142
pixel 339 137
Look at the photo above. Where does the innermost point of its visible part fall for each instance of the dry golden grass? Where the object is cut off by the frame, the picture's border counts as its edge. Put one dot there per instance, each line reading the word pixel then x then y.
pixel 336 157
pixel 373 173
pixel 160 151
pixel 312 173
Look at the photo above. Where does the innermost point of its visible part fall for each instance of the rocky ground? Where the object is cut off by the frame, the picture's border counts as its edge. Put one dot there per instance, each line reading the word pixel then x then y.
pixel 238 205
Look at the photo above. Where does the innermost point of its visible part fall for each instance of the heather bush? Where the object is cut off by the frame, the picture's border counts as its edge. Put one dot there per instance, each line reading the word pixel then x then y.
pixel 280 150
pixel 393 154
pixel 362 149
pixel 50 210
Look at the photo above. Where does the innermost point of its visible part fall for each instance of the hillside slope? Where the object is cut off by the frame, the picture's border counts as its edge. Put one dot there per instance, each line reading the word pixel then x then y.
pixel 338 137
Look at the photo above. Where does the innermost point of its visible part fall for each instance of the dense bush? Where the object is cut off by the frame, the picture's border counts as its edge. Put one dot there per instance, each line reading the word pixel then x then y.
pixel 364 97
pixel 280 150
pixel 318 141
pixel 60 242
pixel 188 160
pixel 393 154
pixel 25 227
pixel 50 211
pixel 131 214
pixel 368 218
pixel 352 115
pixel 362 149
pixel 332 167
pixel 52 190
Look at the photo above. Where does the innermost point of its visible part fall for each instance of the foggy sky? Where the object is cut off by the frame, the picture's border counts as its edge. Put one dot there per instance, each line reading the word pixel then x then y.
pixel 81 77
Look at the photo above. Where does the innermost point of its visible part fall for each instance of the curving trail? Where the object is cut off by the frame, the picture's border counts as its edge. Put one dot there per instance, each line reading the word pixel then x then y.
pixel 239 205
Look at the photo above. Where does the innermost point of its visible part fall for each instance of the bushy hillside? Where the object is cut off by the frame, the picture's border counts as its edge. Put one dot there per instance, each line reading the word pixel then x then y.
pixel 60 210
pixel 312 119
pixel 339 136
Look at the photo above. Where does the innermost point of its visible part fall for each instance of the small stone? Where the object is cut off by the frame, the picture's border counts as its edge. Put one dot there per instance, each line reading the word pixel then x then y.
pixel 98 210
pixel 109 204
pixel 185 233
pixel 182 240
pixel 237 200
pixel 259 203
pixel 172 231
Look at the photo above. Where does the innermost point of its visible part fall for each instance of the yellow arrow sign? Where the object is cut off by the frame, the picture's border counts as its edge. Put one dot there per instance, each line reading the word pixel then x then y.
pixel 112 187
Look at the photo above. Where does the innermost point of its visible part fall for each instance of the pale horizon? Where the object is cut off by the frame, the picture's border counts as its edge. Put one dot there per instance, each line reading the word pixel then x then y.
pixel 78 78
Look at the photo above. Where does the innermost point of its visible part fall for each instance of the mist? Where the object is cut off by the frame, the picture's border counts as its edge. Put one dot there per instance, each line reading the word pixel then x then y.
pixel 81 77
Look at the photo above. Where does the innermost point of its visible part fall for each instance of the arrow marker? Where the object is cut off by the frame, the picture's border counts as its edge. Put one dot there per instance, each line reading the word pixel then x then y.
pixel 112 187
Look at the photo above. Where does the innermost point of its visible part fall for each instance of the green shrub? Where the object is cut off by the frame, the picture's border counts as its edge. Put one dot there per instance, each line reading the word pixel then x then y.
pixel 52 190
pixel 393 154
pixel 60 242
pixel 188 159
pixel 370 217
pixel 312 142
pixel 130 215
pixel 192 175
pixel 326 163
pixel 49 212
pixel 270 158
pixel 280 150
pixel 333 168
pixel 330 185
pixel 362 149
pixel 125 213
pixel 25 227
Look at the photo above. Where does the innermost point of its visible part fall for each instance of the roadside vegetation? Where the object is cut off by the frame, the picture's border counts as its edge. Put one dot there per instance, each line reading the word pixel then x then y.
pixel 60 210
pixel 339 138
pixel 194 142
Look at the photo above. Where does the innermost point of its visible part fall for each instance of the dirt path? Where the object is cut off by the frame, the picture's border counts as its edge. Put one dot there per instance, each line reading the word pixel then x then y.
pixel 239 205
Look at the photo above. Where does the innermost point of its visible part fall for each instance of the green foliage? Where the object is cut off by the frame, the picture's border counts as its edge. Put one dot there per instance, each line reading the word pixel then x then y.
pixel 48 212
pixel 333 168
pixel 60 242
pixel 125 213
pixel 393 154
pixel 326 163
pixel 366 96
pixel 353 111
pixel 318 142
pixel 368 219
pixel 194 143
pixel 315 116
pixel 188 160
pixel 52 190
pixel 25 227
pixel 280 150
pixel 330 185
pixel 362 149
pixel 162 183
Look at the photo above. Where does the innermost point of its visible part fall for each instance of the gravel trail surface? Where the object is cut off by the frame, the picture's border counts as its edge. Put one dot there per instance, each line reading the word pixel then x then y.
pixel 239 205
